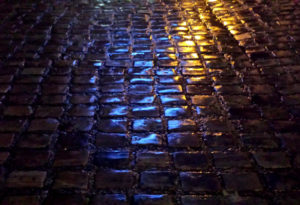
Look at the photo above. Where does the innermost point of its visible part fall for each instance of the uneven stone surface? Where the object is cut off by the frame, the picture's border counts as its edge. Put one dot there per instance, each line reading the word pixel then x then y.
pixel 149 102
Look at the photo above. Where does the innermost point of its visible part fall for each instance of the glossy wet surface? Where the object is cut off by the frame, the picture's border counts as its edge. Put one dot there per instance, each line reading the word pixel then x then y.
pixel 149 102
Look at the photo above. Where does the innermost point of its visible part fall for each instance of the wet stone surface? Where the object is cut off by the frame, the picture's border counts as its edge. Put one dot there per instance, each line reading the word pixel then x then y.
pixel 149 102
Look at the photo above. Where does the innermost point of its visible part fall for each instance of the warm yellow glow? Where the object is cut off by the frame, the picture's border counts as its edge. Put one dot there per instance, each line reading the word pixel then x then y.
pixel 181 33
pixel 219 9
pixel 218 133
pixel 220 5
pixel 227 23
pixel 197 28
pixel 187 4
pixel 180 28
pixel 215 28
pixel 232 29
pixel 171 49
pixel 207 57
pixel 186 43
pixel 202 16
pixel 186 49
pixel 172 56
pixel 191 63
pixel 184 23
pixel 233 32
pixel 204 32
pixel 194 71
pixel 205 43
pixel 197 79
pixel 200 37
pixel 177 78
pixel 228 19
pixel 191 56
pixel 188 37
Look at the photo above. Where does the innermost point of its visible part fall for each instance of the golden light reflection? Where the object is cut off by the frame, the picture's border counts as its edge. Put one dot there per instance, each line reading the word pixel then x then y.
pixel 228 19
pixel 219 9
pixel 197 28
pixel 187 4
pixel 187 37
pixel 200 37
pixel 186 43
pixel 180 28
pixel 202 16
pixel 231 27
pixel 205 43
pixel 171 56
pixel 177 78
pixel 209 57
pixel 197 79
pixel 191 63
pixel 219 5
pixel 228 23
pixel 181 33
pixel 204 32
pixel 194 71
pixel 191 56
pixel 184 23
pixel 186 49
pixel 233 32
pixel 169 49
pixel 195 33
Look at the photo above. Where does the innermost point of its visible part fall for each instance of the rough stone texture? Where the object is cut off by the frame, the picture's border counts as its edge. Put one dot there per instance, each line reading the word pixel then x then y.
pixel 272 159
pixel 158 180
pixel 143 199
pixel 104 199
pixel 68 180
pixel 149 102
pixel 71 158
pixel 115 179
pixel 197 182
pixel 26 200
pixel 26 179
pixel 242 182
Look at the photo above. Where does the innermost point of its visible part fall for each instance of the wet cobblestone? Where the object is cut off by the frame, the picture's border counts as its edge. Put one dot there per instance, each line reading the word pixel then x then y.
pixel 149 102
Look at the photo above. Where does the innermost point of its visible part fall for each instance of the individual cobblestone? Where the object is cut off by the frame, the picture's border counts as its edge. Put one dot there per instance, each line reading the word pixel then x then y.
pixel 69 180
pixel 198 182
pixel 26 179
pixel 161 102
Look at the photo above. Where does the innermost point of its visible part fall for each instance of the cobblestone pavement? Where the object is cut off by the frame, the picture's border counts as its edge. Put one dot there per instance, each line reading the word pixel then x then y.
pixel 167 102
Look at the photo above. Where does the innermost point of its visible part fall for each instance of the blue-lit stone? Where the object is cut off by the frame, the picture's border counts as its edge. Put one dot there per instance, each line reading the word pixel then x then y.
pixel 143 63
pixel 163 89
pixel 114 159
pixel 146 139
pixel 159 199
pixel 140 99
pixel 173 99
pixel 145 111
pixel 114 110
pixel 142 80
pixel 147 125
pixel 176 111
pixel 182 125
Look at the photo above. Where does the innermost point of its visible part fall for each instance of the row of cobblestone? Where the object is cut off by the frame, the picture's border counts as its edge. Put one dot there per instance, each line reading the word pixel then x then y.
pixel 167 102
